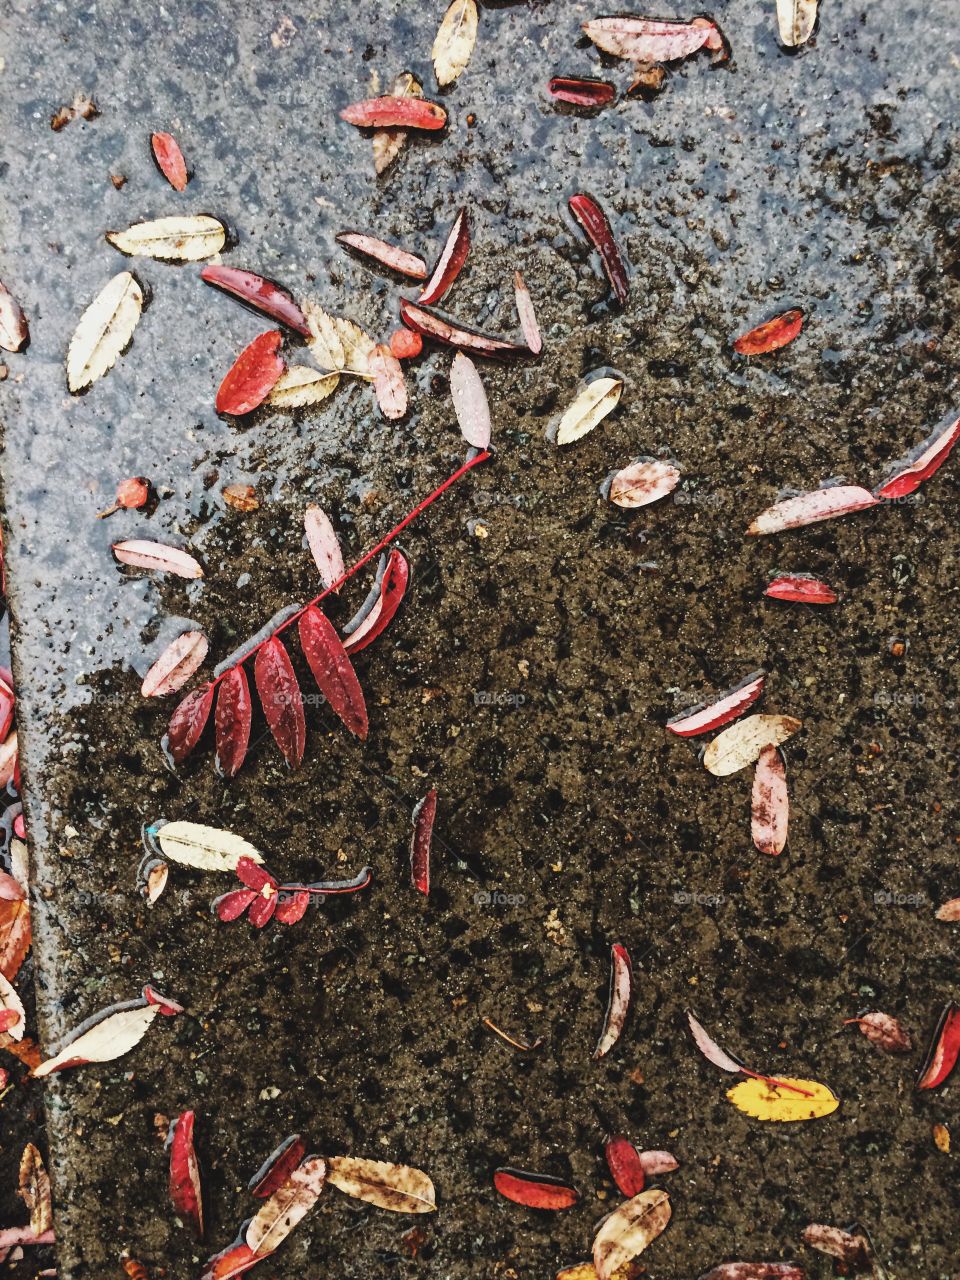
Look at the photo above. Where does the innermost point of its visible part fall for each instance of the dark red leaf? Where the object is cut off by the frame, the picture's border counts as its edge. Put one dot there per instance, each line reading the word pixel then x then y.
pixel 921 463
pixel 582 92
pixel 802 588
pixel 254 875
pixel 395 113
pixel 594 222
pixel 770 336
pixel 535 1190
pixel 292 905
pixel 259 294
pixel 277 1167
pixel 282 704
pixel 451 333
pixel 184 1171
pixel 262 909
pixel 253 376
pixel 424 816
pixel 188 721
pixel 625 1166
pixel 944 1049
pixel 170 161
pixel 232 905
pixel 333 670
pixel 232 721
pixel 450 262
pixel 393 587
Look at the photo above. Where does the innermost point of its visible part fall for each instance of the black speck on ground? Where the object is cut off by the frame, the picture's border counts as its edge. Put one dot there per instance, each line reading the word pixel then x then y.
pixel 531 670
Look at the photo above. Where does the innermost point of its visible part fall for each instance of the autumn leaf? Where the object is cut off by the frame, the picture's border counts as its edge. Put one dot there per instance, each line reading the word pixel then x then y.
pixel 106 1036
pixel 277 1167
pixel 178 662
pixel 157 555
pixel 388 1186
pixel 34 1190
pixel 15 936
pixel 652 39
pixel 470 402
pixel 430 323
pixel 597 227
pixel 395 113
pixel 450 263
pixel 801 588
pixel 105 329
pixel 258 293
pixel 13 323
pixel 527 315
pixel 851 1248
pixel 618 1000
pixel 884 1031
pixel 741 743
pixel 625 1233
pixel 642 483
pixel 591 405
pixel 388 143
pixel 192 844
pixel 13 1018
pixel 170 161
pixel 922 462
pixel 626 1169
pixel 174 239
pixel 384 601
pixel 324 545
pixel 720 709
pixel 188 722
pixel 388 255
pixel 710 1049
pixel 338 344
pixel 301 385
pixel 424 816
pixel 535 1190
pixel 944 1049
pixel 796 20
pixel 812 507
pixel 771 335
pixel 282 702
pixel 770 804
pixel 333 670
pixel 253 375
pixel 766 1100
pixel 185 1192
pixel 286 1207
pixel 388 382
pixel 455 40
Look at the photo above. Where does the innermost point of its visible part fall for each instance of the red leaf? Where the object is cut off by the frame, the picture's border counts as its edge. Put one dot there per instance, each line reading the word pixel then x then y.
pixel 770 804
pixel 230 1262
pixel 582 92
pixel 333 670
pixel 292 905
pixel 720 710
pixel 188 721
pixel 424 816
pixel 8 704
pixel 253 376
pixel 618 1003
pixel 253 875
pixel 393 587
pixel 802 588
pixel 921 463
pixel 277 1167
pixel 170 161
pixel 168 1008
pixel 451 260
pixel 770 336
pixel 453 334
pixel 535 1190
pixel 262 909
pixel 623 1160
pixel 282 704
pixel 388 382
pixel 944 1049
pixel 258 293
pixel 184 1171
pixel 594 222
pixel 15 936
pixel 395 113
pixel 232 905
pixel 232 721
pixel 9 1018
pixel 405 264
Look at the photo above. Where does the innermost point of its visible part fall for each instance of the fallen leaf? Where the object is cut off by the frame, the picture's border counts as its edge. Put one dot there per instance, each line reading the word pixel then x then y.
pixel 626 1169
pixel 535 1190
pixel 625 1233
pixel 884 1031
pixel 34 1190
pixel 15 936
pixel 589 408
pixel 277 1167
pixel 455 41
pixel 106 1036
pixel 527 315
pixel 652 39
pixel 170 161
pixel 153 877
pixel 387 596
pixel 741 743
pixel 173 239
pixel 424 816
pixel 105 329
pixel 768 1100
pixel 324 545
pixel 178 662
pixel 286 1207
pixel 338 344
pixel 185 1191
pixel 158 556
pixel 388 143
pixel 950 911
pixel 720 709
pixel 233 1261
pixel 809 508
pixel 618 1001
pixel 656 1162
pixel 432 324
pixel 388 255
pixel 388 382
pixel 395 113
pixel 388 1186
pixel 450 263
pixel 13 1017
pixel 253 375
pixel 642 483
pixel 801 588
pixel 710 1049
pixel 597 226
pixel 470 402
pixel 13 323
pixel 191 844
pixel 333 670
pixel 755 1271
pixel 796 20
pixel 943 1051
pixel 258 293
pixel 188 722
pixel 921 463
pixel 771 335
pixel 770 805
pixel 581 92
pixel 281 700
pixel 301 385
pixel 941 1138
pixel 852 1249
pixel 587 1271
pixel 241 497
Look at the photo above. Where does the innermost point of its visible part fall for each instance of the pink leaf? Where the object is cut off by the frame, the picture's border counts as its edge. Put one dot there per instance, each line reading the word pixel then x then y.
pixel 809 508
pixel 719 710
pixel 432 324
pixel 450 263
pixel 642 483
pixel 651 39
pixel 170 161
pixel 258 293
pixel 618 1004
pixel 176 665
pixel 527 315
pixel 405 264
pixel 656 1162
pixel 388 382
pixel 324 545
pixel 710 1049
pixel 395 113
pixel 770 806
pixel 157 555
pixel 801 588
pixel 470 402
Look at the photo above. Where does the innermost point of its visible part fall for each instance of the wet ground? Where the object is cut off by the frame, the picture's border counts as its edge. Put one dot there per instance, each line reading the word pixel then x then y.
pixel 532 668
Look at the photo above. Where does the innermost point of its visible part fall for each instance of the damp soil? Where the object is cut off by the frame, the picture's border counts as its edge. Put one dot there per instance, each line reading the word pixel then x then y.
pixel 546 637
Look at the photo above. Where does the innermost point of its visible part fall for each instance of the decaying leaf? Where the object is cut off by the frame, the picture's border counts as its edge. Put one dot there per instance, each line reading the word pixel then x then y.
pixel 388 255
pixel 852 1248
pixel 106 1036
pixel 883 1030
pixel 741 743
pixel 643 482
pixel 104 330
pixel 618 1002
pixel 34 1190
pixel 450 263
pixel 626 1168
pixel 13 1018
pixel 178 662
pixel 719 710
pixel 338 344
pixel 455 40
pixel 587 1271
pixel 158 556
pixel 596 224
pixel 388 143
pixel 424 816
pixel 13 323
pixel 301 385
pixel 710 1049
pixel 771 335
pixel 527 315
pixel 654 1163
pixel 170 161
pixel 909 473
pixel 809 508
pixel 451 333
pixel 941 1138
pixel 944 1049
pixel 535 1190
pixel 470 402
pixel 152 879
pixel 652 39
pixel 324 545
pixel 286 1207
pixel 767 1099
pixel 950 911
pixel 388 1186
pixel 796 20
pixel 241 497
pixel 770 806
pixel 252 376
pixel 333 670
pixel 755 1271
pixel 388 382
pixel 581 91
pixel 626 1232
pixel 802 588
pixel 192 844
pixel 589 408
pixel 185 1191
pixel 173 239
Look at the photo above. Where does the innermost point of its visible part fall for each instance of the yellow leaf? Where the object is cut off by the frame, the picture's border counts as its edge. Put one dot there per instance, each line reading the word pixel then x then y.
pixel 590 407
pixel 796 19
pixel 104 330
pixel 766 1101
pixel 337 344
pixel 455 40
pixel 301 385
pixel 175 239
pixel 587 1271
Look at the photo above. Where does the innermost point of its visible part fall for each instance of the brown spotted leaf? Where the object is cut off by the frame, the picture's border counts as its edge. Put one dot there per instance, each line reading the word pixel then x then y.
pixel 388 1186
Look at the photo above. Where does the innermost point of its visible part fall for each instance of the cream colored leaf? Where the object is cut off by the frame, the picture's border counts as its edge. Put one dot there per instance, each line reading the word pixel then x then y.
pixel 764 1100
pixel 796 19
pixel 590 407
pixel 104 330
pixel 455 40
pixel 338 344
pixel 174 239
pixel 34 1189
pixel 627 1231
pixel 110 1037
pixel 302 385
pixel 388 1186
pixel 741 743
pixel 288 1205
pixel 388 143
pixel 205 848
pixel 9 1000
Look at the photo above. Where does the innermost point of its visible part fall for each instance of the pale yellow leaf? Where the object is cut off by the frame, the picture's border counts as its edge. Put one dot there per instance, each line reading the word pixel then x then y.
pixel 589 408
pixel 205 848
pixel 625 1233
pixel 302 385
pixel 741 743
pixel 587 1271
pixel 765 1101
pixel 109 1038
pixel 174 239
pixel 290 1203
pixel 338 344
pixel 796 19
pixel 104 330
pixel 34 1189
pixel 455 40
pixel 388 1186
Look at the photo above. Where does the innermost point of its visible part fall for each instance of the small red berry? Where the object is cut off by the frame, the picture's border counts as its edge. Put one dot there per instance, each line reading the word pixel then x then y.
pixel 133 493
pixel 405 344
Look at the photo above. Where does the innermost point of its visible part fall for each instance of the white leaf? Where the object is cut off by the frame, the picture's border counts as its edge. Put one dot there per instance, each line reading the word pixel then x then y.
pixel 455 40
pixel 470 402
pixel 10 1000
pixel 591 406
pixel 710 1049
pixel 324 545
pixel 627 1231
pixel 104 330
pixel 290 1203
pixel 741 743
pixel 157 555
pixel 338 344
pixel 642 483
pixel 205 848
pixel 175 239
pixel 301 385
pixel 527 315
pixel 13 324
pixel 388 1186
pixel 110 1035
pixel 796 19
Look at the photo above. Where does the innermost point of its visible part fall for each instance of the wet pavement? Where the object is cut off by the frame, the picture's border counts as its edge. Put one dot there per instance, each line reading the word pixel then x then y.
pixel 533 666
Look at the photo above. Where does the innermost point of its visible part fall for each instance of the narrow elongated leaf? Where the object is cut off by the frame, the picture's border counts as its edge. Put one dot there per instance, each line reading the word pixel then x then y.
pixel 253 375
pixel 333 670
pixel 108 1035
pixel 796 20
pixel 258 293
pixel 884 1031
pixel 105 329
pixel 801 588
pixel 170 161
pixel 767 1100
pixel 710 1049
pixel 174 239
pixel 755 1271
pixel 719 710
pixel 592 404
pixel 388 255
pixel 388 1186
pixel 527 315
pixel 535 1190
pixel 652 39
pixel 852 1248
pixel 188 722
pixel 282 704
pixel 451 260
pixel 232 721
pixel 642 483
pixel 15 936
pixel 618 1001
pixel 158 556
pixel 455 40
pixel 922 462
pixel 388 382
pixel 809 508
pixel 185 1191
pixel 424 816
pixel 451 333
pixel 597 226
pixel 178 662
pixel 388 143
pixel 771 335
pixel 13 1018
pixel 741 743
pixel 301 385
pixel 324 545
pixel 470 402
pixel 286 1207
pixel 338 344
pixel 192 844
pixel 13 323
pixel 233 1261
pixel 581 91
pixel 626 1232
pixel 944 1049
pixel 277 1167
pixel 392 587
pixel 770 806
pixel 623 1161
pixel 395 113
pixel 34 1190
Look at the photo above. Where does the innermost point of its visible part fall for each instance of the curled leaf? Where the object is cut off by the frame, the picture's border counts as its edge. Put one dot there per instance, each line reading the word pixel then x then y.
pixel 395 113
pixel 13 323
pixel 388 255
pixel 618 1002
pixel 301 385
pixel 258 293
pixel 801 588
pixel 770 805
pixel 455 40
pixel 625 1233
pixel 388 593
pixel 809 508
pixel 741 743
pixel 277 1167
pixel 535 1190
pixel 170 161
pixel 922 462
pixel 710 1049
pixel 450 263
pixel 324 545
pixel 852 1248
pixel 338 344
pixel 796 20
pixel 470 402
pixel 185 1191
pixel 106 1036
pixel 944 1049
pixel 158 556
pixel 580 92
pixel 105 329
pixel 755 1271
pixel 34 1190
pixel 720 709
pixel 397 1187
pixel 174 239
pixel 192 844
pixel 642 483
pixel 451 333
pixel 769 1100
pixel 626 1169
pixel 424 816
pixel 178 662
pixel 597 226
pixel 884 1031
pixel 253 376
pixel 591 405
pixel 771 335
pixel 286 1207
